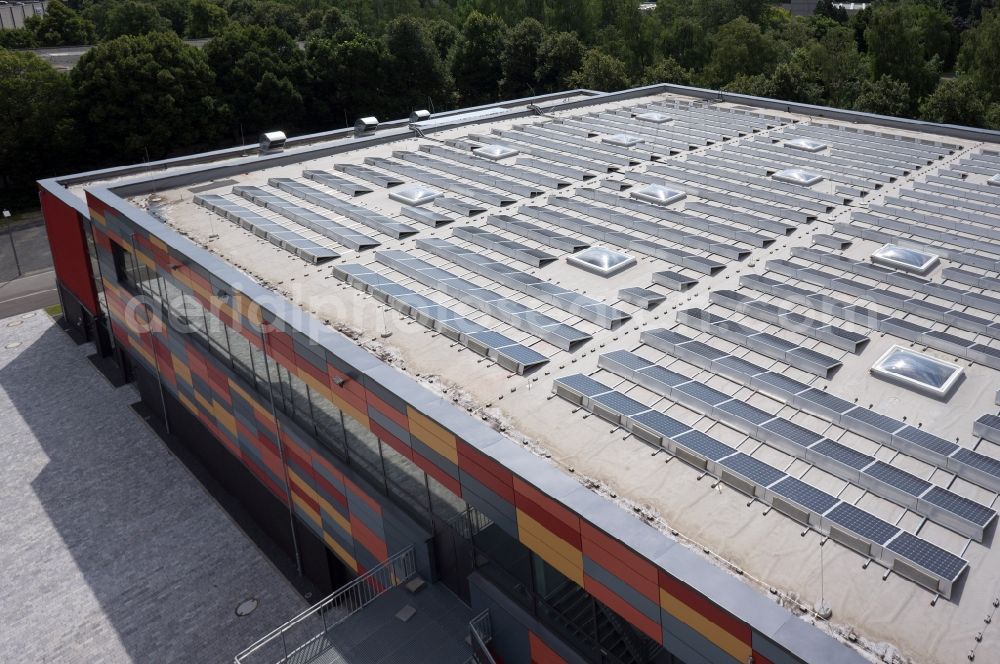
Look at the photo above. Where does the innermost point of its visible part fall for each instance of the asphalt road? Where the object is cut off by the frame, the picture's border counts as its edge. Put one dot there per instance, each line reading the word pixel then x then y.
pixel 29 293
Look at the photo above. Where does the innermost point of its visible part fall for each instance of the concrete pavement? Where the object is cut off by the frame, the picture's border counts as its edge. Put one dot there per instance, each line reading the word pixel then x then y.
pixel 25 294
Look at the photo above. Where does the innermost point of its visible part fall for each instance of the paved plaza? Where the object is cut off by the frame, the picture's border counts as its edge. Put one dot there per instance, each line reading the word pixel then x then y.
pixel 110 550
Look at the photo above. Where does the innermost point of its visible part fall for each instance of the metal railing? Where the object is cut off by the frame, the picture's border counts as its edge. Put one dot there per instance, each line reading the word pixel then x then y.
pixel 470 523
pixel 305 637
pixel 480 634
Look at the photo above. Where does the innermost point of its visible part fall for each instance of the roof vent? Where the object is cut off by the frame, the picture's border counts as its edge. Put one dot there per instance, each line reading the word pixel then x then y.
pixel 601 261
pixel 657 194
pixel 414 194
pixel 653 117
pixel 494 152
pixel 807 144
pixel 995 180
pixel 798 176
pixel 272 141
pixel 621 140
pixel 917 371
pixel 365 126
pixel 904 258
pixel 420 116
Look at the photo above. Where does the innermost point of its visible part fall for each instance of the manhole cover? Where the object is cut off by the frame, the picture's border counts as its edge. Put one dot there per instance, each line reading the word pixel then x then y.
pixel 14 323
pixel 246 607
pixel 13 344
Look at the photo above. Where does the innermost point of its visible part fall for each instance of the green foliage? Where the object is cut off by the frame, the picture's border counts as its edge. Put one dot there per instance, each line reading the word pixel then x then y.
pixel 131 17
pixel 884 96
pixel 955 101
pixel 259 73
pixel 560 54
pixel 740 47
pixel 144 97
pixel 601 71
pixel 827 9
pixel 519 60
pixel 910 42
pixel 444 35
pixel 667 70
pixel 60 26
pixel 980 55
pixel 21 38
pixel 476 62
pixel 205 19
pixel 37 132
pixel 416 73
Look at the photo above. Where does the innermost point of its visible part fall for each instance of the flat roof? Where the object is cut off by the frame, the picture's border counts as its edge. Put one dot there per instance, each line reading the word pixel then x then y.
pixel 472 294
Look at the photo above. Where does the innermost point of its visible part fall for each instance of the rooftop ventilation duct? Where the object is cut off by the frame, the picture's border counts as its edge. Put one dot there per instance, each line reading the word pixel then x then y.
pixel 420 116
pixel 365 126
pixel 272 141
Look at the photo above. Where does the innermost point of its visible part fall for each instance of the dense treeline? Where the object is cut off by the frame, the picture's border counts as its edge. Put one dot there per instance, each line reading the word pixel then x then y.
pixel 304 65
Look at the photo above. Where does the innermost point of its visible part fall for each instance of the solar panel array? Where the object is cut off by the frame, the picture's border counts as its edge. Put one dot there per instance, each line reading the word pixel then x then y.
pixel 922 561
pixel 786 319
pixel 501 349
pixel 766 344
pixel 893 433
pixel 988 427
pixel 562 298
pixel 275 233
pixel 501 245
pixel 369 218
pixel 903 304
pixel 963 516
pixel 524 318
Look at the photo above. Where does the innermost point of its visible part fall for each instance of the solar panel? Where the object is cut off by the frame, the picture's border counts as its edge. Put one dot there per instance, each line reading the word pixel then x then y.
pixel 932 558
pixel 791 431
pixel 778 382
pixel 862 523
pixel 620 403
pixel 745 411
pixel 895 477
pixel 826 400
pixel 875 420
pixel 926 440
pixel 702 393
pixel 667 336
pixel 641 297
pixel 988 427
pixel 661 423
pixel 630 361
pixel 583 385
pixel 969 510
pixel 842 453
pixel 804 494
pixel 731 364
pixel 523 355
pixel 662 375
pixel 704 445
pixel 704 350
pixel 753 469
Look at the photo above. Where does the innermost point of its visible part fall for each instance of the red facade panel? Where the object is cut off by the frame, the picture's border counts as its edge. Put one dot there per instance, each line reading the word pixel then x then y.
pixel 69 250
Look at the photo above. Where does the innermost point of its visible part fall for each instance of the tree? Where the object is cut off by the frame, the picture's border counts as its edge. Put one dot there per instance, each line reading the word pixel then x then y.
pixel 205 19
pixel 444 35
pixel 559 55
pixel 955 101
pixel 415 71
pixel 601 71
pixel 145 97
pixel 884 96
pixel 60 26
pixel 36 130
pixel 740 47
pixel 258 74
pixel 266 13
pixel 667 70
pixel 836 64
pixel 19 38
pixel 175 11
pixel 132 18
pixel 579 16
pixel 980 55
pixel 909 42
pixel 685 40
pixel 476 61
pixel 519 60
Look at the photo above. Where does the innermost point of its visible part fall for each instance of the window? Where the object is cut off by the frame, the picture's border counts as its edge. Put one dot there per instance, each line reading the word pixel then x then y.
pixel 239 347
pixel 329 425
pixel 406 483
pixel 217 341
pixel 363 451
pixel 125 270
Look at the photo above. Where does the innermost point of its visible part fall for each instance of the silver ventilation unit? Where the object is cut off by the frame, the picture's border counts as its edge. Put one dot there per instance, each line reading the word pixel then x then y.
pixel 365 126
pixel 807 144
pixel 798 176
pixel 621 140
pixel 601 261
pixel 420 116
pixel 272 141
